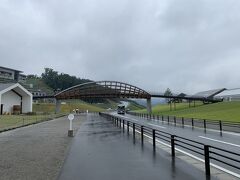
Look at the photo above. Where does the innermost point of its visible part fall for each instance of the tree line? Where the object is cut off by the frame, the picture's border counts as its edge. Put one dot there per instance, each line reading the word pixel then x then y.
pixel 59 81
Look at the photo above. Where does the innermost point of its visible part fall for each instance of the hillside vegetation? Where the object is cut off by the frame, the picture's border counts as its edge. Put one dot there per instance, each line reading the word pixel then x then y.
pixel 38 84
pixel 65 108
pixel 227 111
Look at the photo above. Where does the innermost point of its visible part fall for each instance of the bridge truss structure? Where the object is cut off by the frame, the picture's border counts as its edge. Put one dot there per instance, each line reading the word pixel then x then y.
pixel 103 89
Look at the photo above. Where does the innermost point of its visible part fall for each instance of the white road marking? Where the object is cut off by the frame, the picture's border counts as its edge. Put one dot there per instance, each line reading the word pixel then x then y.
pixel 128 118
pixel 193 156
pixel 213 130
pixel 195 127
pixel 157 126
pixel 147 123
pixel 219 141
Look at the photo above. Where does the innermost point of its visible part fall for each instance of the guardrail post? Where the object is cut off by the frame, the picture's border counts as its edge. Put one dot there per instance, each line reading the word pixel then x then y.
pixel 128 127
pixel 183 121
pixel 142 134
pixel 162 118
pixel 204 123
pixel 123 125
pixel 220 127
pixel 117 122
pixel 154 138
pixel 192 122
pixel 207 160
pixel 174 120
pixel 120 123
pixel 133 131
pixel 173 145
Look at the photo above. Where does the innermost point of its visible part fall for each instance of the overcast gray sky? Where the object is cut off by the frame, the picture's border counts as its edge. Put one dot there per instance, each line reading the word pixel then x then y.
pixel 186 45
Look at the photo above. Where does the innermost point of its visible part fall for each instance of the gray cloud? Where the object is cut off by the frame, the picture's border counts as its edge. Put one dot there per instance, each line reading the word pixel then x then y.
pixel 185 45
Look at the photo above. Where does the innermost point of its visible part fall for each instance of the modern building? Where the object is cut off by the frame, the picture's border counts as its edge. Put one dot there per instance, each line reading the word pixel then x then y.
pixel 14 98
pixel 9 74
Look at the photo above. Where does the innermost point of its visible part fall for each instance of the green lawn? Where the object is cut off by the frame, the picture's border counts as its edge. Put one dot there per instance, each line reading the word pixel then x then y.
pixel 227 111
pixel 44 111
pixel 11 121
pixel 65 108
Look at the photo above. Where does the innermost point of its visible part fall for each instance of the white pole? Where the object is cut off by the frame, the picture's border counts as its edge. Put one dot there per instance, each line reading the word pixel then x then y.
pixel 70 125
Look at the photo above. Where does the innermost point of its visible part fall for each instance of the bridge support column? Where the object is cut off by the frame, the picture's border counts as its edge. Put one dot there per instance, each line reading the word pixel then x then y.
pixel 57 106
pixel 149 106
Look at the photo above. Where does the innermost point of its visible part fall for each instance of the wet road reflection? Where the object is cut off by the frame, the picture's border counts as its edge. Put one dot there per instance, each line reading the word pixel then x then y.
pixel 102 151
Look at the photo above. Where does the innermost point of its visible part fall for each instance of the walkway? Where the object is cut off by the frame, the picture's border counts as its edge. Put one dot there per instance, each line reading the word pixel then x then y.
pixel 101 151
pixel 37 151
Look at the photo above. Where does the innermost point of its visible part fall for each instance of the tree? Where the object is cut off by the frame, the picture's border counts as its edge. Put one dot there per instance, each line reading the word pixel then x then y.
pixel 50 77
pixel 60 81
pixel 168 92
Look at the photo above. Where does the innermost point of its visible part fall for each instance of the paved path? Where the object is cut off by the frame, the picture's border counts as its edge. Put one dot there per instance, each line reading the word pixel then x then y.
pixel 35 152
pixel 101 151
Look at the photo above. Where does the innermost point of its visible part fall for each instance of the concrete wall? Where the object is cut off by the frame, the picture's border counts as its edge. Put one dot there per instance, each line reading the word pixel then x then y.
pixel 9 99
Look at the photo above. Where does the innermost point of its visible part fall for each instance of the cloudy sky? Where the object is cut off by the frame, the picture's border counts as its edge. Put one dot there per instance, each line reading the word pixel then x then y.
pixel 185 45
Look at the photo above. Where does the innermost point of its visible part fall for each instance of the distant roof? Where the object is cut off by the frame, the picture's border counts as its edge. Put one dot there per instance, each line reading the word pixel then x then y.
pixel 230 92
pixel 5 86
pixel 209 93
pixel 182 95
pixel 10 69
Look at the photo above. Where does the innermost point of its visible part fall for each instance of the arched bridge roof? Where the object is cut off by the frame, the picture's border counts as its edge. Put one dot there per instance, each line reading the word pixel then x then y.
pixel 103 89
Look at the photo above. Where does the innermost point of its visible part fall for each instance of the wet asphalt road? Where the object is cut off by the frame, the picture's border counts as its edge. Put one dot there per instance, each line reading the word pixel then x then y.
pixel 197 134
pixel 100 151
pixel 227 141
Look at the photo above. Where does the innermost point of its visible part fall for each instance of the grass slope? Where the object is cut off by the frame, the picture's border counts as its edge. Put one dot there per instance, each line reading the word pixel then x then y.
pixel 11 121
pixel 39 84
pixel 227 111
pixel 134 106
pixel 65 108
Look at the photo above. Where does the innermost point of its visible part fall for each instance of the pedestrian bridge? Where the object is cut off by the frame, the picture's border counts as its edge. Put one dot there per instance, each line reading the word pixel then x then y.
pixel 115 89
pixel 103 89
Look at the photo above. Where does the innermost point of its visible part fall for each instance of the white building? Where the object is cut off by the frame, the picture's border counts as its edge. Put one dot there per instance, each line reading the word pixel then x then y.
pixel 13 94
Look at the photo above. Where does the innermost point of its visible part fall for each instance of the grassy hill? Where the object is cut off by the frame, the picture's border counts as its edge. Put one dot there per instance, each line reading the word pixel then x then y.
pixel 134 106
pixel 38 84
pixel 65 108
pixel 228 111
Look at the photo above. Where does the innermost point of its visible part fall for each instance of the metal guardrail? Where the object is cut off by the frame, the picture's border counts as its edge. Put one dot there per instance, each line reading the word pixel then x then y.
pixel 193 122
pixel 207 152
